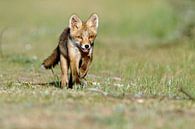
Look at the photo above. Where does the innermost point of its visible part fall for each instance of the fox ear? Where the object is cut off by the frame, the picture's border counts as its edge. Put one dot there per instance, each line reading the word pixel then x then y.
pixel 75 22
pixel 93 21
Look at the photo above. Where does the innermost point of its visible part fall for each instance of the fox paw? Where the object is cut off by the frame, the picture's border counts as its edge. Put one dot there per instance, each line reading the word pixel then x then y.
pixel 63 84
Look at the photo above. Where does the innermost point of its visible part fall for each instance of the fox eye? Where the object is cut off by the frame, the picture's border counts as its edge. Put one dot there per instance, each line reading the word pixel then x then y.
pixel 91 37
pixel 79 37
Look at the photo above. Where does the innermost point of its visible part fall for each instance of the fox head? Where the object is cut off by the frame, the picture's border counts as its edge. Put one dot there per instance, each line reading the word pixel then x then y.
pixel 83 33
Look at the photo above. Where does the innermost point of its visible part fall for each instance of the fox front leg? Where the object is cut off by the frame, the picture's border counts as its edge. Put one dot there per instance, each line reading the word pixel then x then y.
pixel 74 74
pixel 84 67
pixel 64 71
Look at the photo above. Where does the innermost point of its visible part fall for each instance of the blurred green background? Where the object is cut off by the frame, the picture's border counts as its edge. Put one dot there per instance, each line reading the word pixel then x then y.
pixel 40 22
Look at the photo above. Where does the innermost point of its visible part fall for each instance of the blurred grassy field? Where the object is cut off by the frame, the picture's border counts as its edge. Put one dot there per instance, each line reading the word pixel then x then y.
pixel 142 76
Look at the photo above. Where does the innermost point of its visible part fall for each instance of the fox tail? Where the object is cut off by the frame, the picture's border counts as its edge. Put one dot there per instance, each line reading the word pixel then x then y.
pixel 52 60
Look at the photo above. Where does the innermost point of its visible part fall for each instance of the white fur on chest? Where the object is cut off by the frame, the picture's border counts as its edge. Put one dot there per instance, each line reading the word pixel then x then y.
pixel 73 51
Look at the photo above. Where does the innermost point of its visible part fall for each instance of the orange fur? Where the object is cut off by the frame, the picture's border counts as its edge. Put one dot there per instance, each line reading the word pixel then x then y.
pixel 74 50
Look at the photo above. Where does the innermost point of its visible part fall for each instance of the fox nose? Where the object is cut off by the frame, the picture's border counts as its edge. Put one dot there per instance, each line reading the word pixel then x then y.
pixel 87 46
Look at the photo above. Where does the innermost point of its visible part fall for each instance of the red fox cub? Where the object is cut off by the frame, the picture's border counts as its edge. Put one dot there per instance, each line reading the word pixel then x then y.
pixel 74 50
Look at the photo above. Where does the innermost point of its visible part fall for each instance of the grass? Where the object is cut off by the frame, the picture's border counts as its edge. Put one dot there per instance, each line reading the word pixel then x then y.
pixel 142 74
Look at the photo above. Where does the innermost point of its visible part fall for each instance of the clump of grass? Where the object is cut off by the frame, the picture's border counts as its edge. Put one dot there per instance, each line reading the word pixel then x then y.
pixel 1 41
